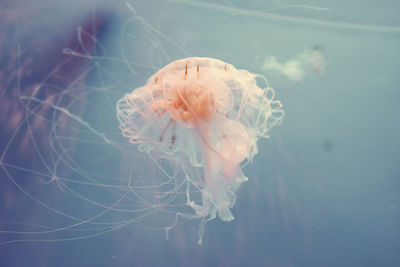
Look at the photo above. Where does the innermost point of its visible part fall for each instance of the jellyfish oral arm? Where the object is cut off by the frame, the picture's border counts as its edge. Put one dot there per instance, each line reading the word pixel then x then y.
pixel 225 146
pixel 222 179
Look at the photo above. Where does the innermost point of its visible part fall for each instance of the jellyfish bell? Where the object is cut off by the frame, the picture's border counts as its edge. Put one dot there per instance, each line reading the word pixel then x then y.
pixel 206 116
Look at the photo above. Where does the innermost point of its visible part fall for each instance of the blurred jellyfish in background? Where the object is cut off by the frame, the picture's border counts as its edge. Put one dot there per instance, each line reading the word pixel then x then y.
pixel 310 60
pixel 75 190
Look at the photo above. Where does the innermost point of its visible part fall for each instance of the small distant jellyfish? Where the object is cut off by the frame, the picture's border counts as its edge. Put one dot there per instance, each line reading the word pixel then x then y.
pixel 310 60
pixel 206 116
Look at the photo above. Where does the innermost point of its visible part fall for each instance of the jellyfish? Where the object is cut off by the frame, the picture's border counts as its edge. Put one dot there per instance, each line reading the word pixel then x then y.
pixel 310 60
pixel 206 116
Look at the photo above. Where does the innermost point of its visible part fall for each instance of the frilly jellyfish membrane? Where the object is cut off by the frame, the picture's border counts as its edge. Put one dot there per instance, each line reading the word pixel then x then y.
pixel 170 151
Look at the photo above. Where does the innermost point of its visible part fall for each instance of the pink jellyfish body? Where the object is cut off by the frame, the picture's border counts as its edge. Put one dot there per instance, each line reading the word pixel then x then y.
pixel 207 116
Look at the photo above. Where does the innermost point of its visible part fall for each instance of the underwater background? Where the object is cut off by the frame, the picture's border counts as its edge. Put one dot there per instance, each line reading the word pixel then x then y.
pixel 323 190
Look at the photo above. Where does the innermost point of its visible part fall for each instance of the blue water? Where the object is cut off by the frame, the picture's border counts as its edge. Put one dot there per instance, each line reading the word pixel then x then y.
pixel 324 189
